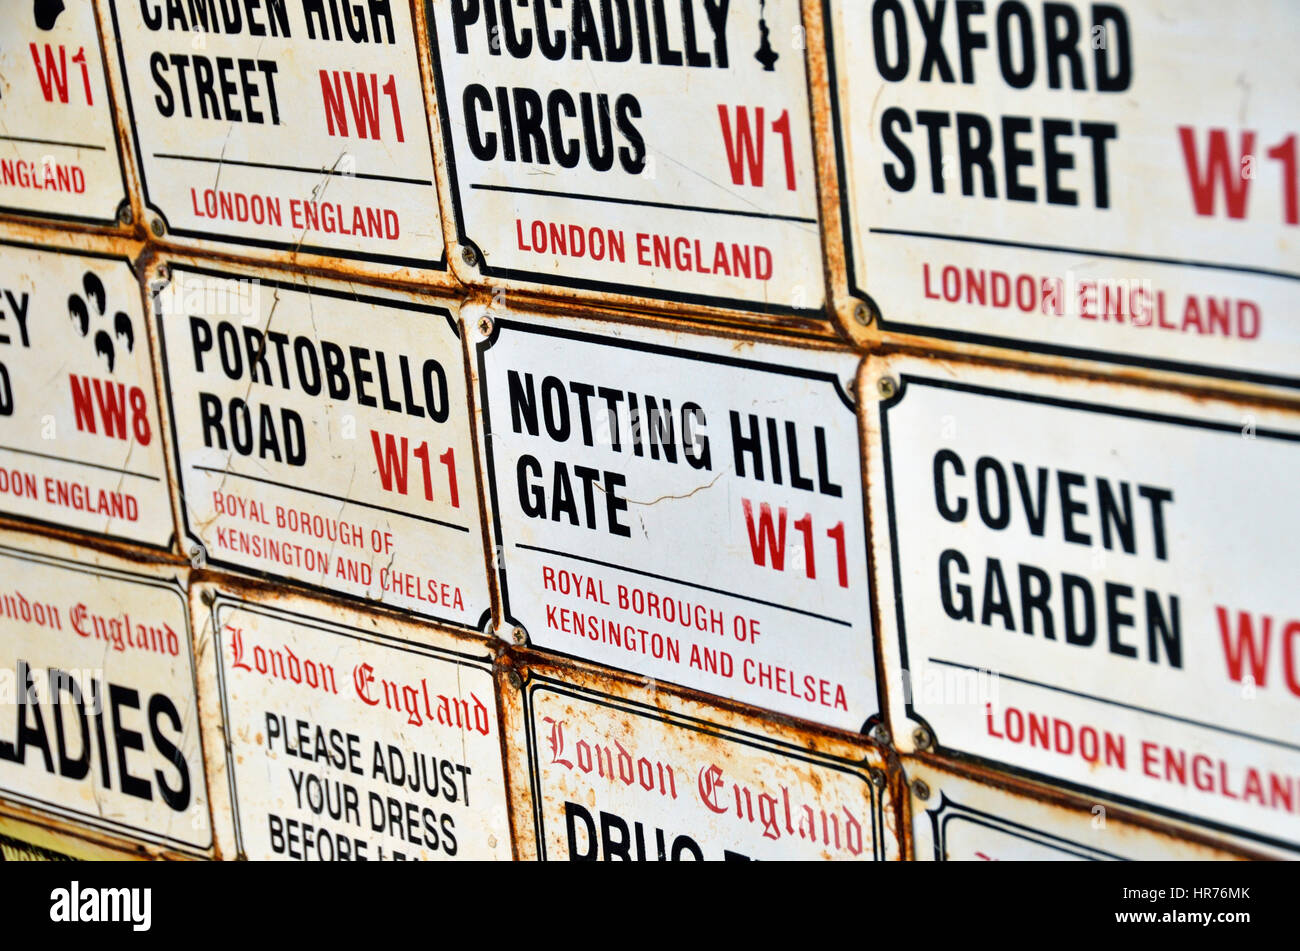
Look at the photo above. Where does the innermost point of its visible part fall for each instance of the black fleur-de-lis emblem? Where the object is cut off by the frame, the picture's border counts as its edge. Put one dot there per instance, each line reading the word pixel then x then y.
pixel 89 310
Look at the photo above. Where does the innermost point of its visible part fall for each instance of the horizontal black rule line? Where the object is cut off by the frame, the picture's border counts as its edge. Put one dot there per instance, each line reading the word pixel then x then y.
pixel 689 584
pixel 293 168
pixel 327 495
pixel 1127 706
pixel 574 196
pixel 1088 252
pixel 81 462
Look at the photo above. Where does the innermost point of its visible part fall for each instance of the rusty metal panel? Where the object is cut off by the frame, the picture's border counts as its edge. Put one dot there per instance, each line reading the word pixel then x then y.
pixel 956 817
pixel 682 506
pixel 341 735
pixel 14 850
pixel 59 153
pixel 59 840
pixel 1077 180
pixel 102 728
pixel 81 443
pixel 282 133
pixel 611 768
pixel 323 436
pixel 1076 579
pixel 854 319
pixel 667 160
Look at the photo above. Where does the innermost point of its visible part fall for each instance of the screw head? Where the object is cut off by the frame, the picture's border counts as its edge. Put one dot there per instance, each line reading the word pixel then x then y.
pixel 485 326
pixel 124 215
pixel 515 680
pixel 877 777
pixel 208 597
pixel 518 636
pixel 196 556
pixel 921 738
pixel 468 255
pixel 920 789
pixel 862 313
pixel 880 733
pixel 886 386
pixel 157 227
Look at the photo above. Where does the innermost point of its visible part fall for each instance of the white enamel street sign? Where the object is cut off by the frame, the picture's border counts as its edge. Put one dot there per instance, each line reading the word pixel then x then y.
pixel 101 725
pixel 59 156
pixel 617 778
pixel 654 149
pixel 963 820
pixel 683 507
pixel 1108 180
pixel 80 441
pixel 296 127
pixel 349 744
pixel 323 437
pixel 1093 584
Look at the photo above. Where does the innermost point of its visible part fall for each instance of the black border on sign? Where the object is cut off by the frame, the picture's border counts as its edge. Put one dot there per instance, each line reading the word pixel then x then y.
pixel 614 287
pixel 681 353
pixel 376 637
pixel 992 340
pixel 110 222
pixel 95 819
pixel 157 406
pixel 679 720
pixel 988 820
pixel 906 379
pixel 396 303
pixel 396 260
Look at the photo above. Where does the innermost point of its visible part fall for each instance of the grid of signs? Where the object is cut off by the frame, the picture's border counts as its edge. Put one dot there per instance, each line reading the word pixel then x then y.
pixel 558 430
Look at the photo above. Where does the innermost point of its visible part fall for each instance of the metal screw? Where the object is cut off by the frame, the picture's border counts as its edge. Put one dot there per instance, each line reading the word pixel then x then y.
pixel 880 733
pixel 124 216
pixel 886 386
pixel 157 227
pixel 518 636
pixel 862 313
pixel 920 790
pixel 196 556
pixel 515 680
pixel 485 326
pixel 921 738
pixel 468 255
pixel 877 777
pixel 208 597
